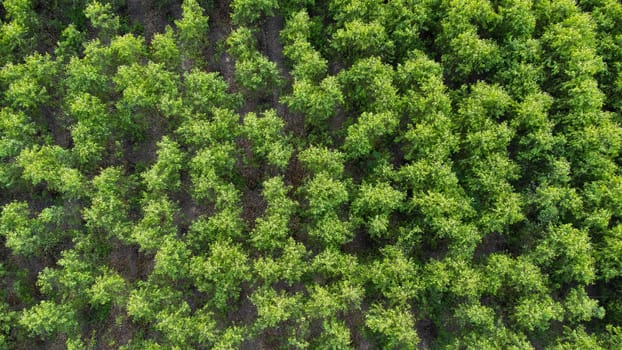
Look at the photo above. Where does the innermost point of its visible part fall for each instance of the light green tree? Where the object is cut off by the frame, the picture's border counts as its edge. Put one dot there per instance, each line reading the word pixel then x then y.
pixel 192 32
pixel 394 327
pixel 221 273
pixel 267 137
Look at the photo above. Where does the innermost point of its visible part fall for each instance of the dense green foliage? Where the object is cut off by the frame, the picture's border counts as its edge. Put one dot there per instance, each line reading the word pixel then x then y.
pixel 300 174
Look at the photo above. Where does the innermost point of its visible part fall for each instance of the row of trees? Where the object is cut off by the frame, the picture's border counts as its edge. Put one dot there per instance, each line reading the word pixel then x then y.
pixel 396 175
